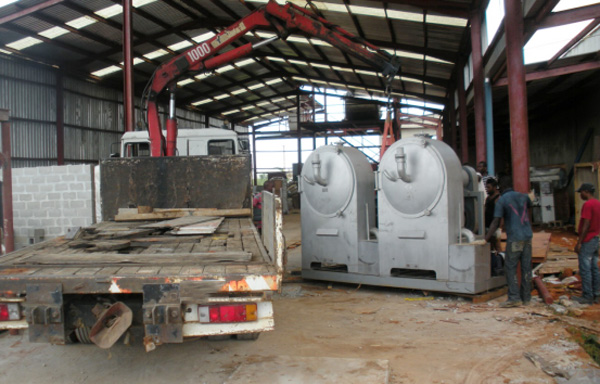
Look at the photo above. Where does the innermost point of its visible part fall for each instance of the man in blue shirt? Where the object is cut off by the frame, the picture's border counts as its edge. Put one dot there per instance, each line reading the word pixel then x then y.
pixel 514 207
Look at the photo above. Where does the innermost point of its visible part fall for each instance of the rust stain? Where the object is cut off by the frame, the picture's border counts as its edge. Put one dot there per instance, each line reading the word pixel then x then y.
pixel 13 271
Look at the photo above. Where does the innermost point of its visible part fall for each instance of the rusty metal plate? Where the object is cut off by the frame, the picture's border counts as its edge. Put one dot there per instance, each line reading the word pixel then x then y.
pixel 221 182
pixel 163 320
pixel 45 314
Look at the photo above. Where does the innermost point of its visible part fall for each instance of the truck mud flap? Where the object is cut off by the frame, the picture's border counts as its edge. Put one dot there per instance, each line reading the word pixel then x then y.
pixel 163 321
pixel 44 312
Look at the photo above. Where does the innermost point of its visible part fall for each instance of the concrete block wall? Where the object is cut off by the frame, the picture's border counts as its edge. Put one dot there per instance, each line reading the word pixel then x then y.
pixel 52 198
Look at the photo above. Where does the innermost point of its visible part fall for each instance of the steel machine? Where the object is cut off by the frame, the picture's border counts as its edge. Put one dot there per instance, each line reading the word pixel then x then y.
pixel 427 209
pixel 338 210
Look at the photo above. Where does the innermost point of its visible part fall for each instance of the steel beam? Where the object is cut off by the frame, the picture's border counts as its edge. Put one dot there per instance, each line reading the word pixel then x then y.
pixel 60 119
pixel 128 66
pixel 567 17
pixel 554 72
pixel 517 95
pixel 452 117
pixel 7 201
pixel 462 114
pixel 478 88
pixel 28 11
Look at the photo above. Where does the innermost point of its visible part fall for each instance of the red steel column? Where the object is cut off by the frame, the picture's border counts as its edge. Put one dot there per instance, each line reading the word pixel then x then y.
pixel 462 111
pixel 452 118
pixel 128 103
pixel 7 201
pixel 517 95
pixel 60 120
pixel 478 90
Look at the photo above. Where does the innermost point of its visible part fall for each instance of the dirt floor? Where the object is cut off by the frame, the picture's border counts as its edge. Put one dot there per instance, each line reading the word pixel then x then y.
pixel 365 334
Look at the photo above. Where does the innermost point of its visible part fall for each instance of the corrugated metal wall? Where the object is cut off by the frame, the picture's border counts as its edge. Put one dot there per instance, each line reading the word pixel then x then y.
pixel 93 116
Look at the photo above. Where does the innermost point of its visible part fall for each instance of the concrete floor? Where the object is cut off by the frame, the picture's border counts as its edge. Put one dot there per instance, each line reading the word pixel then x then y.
pixel 329 333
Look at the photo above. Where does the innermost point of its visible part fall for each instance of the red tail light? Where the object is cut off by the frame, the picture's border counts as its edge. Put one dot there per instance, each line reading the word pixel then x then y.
pixel 9 312
pixel 228 313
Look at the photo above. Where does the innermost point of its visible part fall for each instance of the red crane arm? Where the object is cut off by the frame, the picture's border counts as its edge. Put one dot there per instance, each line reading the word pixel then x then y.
pixel 202 57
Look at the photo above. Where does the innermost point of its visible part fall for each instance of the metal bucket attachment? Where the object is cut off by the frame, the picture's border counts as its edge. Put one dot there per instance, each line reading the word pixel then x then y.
pixel 111 325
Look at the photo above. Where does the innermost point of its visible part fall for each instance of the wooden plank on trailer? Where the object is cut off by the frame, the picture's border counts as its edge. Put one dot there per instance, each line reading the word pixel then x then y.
pixel 128 271
pixel 102 259
pixel 192 270
pixel 108 271
pixel 184 248
pixel 203 246
pixel 160 248
pixel 149 270
pixel 204 228
pixel 90 271
pixel 164 214
pixel 170 271
pixel 148 241
pixel 214 270
pixel 179 222
pixel 235 269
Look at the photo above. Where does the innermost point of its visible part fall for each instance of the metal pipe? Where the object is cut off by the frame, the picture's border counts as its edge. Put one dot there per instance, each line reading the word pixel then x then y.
pixel 7 197
pixel 489 127
pixel 478 87
pixel 171 126
pixel 401 165
pixel 542 290
pixel 517 95
pixel 316 164
pixel 60 119
pixel 128 66
pixel 265 42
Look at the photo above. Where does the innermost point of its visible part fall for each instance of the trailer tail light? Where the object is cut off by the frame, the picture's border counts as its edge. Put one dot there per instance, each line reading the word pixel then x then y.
pixel 237 313
pixel 9 312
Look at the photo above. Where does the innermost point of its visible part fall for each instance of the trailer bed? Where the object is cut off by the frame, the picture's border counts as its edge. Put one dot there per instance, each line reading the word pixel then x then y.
pixel 123 257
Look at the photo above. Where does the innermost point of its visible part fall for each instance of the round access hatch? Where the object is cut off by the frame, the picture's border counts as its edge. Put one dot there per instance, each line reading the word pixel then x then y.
pixel 338 176
pixel 426 176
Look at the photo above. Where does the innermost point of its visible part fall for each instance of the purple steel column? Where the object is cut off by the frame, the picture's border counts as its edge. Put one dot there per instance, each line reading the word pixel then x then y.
pixel 478 90
pixel 128 103
pixel 60 120
pixel 7 201
pixel 517 95
pixel 462 110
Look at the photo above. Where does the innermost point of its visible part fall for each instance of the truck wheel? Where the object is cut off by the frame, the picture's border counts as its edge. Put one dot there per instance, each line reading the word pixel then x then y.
pixel 218 337
pixel 247 336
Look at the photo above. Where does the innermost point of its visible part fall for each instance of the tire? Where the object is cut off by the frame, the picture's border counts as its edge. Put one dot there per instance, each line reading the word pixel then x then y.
pixel 247 336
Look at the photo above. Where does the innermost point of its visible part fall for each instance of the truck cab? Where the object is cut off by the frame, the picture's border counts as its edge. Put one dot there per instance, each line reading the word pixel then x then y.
pixel 190 142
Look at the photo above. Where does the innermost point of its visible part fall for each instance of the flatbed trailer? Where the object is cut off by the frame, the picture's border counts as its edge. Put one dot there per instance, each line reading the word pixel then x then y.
pixel 173 286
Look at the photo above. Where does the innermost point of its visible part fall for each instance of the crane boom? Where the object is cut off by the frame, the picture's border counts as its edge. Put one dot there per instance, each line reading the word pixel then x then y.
pixel 203 57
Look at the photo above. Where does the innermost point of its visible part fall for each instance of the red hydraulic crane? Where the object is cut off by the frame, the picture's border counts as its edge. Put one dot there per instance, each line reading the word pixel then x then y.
pixel 201 58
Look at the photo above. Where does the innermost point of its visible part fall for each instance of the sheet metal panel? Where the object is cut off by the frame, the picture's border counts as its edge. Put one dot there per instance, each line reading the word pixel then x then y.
pixel 89 145
pixel 33 140
pixel 221 182
pixel 28 100
pixel 20 70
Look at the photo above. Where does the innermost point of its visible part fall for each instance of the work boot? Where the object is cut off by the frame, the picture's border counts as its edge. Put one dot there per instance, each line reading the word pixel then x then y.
pixel 583 300
pixel 511 304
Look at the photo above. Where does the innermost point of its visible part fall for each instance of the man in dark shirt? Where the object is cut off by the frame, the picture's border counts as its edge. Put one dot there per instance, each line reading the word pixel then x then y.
pixel 587 245
pixel 491 187
pixel 514 207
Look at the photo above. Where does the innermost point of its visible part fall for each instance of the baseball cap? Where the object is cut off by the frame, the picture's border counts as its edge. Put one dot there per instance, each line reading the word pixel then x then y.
pixel 586 187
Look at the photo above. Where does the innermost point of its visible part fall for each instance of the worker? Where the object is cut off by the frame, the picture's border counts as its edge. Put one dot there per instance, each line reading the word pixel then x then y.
pixel 482 170
pixel 587 246
pixel 514 208
pixel 493 195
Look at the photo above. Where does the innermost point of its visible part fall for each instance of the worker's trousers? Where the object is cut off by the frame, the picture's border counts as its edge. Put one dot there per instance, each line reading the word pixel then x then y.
pixel 588 269
pixel 518 251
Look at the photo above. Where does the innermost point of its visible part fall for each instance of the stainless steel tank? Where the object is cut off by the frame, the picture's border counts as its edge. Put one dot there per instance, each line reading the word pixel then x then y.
pixel 422 240
pixel 338 211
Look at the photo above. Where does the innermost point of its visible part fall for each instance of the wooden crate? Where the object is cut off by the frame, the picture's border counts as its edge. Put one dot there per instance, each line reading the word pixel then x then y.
pixel 584 173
